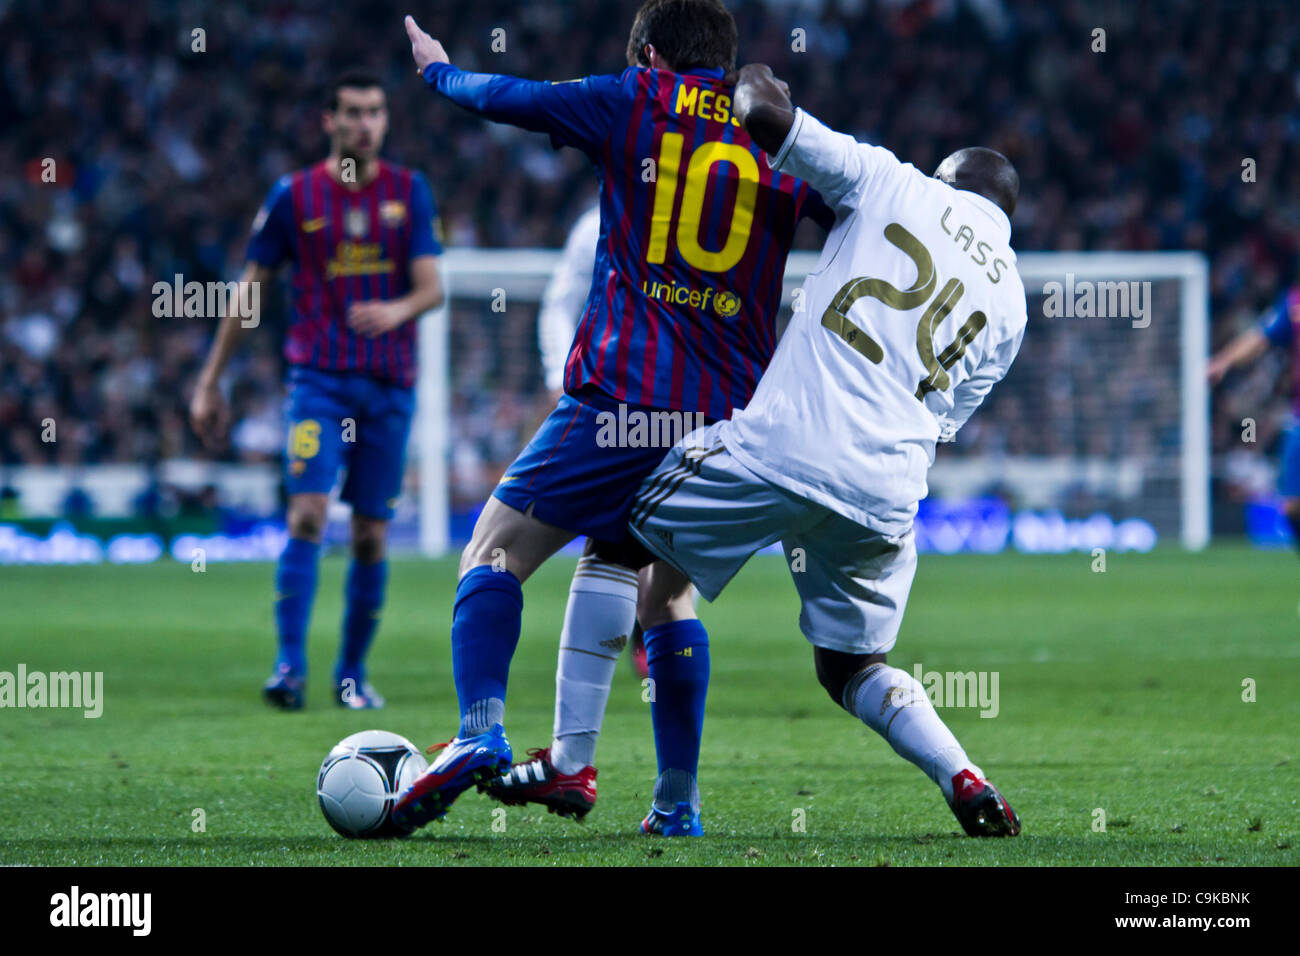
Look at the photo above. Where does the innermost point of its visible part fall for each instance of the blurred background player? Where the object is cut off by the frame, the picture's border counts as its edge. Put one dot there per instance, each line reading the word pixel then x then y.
pixel 907 329
pixel 680 319
pixel 563 302
pixel 565 299
pixel 359 232
pixel 1275 328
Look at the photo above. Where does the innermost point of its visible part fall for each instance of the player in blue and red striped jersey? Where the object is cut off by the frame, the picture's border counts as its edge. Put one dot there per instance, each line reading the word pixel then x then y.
pixel 360 234
pixel 680 321
pixel 1277 328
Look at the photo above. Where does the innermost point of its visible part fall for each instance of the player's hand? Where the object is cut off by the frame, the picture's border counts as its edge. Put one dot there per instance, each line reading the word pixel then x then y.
pixel 755 84
pixel 1215 371
pixel 424 48
pixel 375 318
pixel 209 414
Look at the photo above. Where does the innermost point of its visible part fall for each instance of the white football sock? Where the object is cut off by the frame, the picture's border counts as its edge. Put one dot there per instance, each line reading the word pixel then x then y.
pixel 894 704
pixel 599 617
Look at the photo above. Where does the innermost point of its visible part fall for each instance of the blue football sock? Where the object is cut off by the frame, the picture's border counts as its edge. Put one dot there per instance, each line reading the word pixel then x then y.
pixel 678 655
pixel 484 633
pixel 1294 522
pixel 295 589
pixel 365 596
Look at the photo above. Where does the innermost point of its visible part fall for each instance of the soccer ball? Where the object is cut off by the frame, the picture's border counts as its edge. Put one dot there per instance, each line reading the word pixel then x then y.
pixel 360 779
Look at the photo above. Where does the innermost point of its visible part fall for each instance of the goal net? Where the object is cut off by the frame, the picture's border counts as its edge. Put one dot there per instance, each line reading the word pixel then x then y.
pixel 1098 437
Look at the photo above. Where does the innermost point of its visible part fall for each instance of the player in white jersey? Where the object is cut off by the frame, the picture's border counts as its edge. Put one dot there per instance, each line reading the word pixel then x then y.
pixel 913 313
pixel 565 298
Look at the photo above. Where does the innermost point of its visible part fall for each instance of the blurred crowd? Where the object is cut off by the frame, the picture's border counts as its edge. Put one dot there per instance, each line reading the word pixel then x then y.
pixel 161 143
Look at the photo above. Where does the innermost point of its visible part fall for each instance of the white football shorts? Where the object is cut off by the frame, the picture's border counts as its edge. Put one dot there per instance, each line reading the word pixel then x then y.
pixel 705 513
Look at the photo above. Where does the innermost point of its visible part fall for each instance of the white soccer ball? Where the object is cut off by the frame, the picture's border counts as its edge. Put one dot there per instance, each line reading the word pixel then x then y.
pixel 360 779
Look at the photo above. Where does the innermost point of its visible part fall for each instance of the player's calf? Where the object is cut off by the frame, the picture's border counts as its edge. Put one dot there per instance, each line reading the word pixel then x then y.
pixel 678 654
pixel 364 600
pixel 894 704
pixel 507 546
pixel 295 592
pixel 1291 509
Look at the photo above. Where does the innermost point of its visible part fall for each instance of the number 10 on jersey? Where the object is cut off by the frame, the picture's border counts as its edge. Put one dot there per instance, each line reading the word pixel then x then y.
pixel 700 165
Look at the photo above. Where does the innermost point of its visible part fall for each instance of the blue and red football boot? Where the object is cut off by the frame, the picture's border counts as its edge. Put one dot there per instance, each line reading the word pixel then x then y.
pixel 285 689
pixel 683 821
pixel 462 763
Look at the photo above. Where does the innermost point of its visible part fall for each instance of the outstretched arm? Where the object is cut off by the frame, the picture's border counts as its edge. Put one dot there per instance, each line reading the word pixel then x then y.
pixel 1244 349
pixel 575 114
pixel 424 48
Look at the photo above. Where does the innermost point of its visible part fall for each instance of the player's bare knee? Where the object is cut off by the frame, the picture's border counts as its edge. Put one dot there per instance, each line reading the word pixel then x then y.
pixel 835 670
pixel 488 540
pixel 369 537
pixel 652 612
pixel 1291 508
pixel 306 518
pixel 475 554
pixel 493 549
pixel 665 595
pixel 507 539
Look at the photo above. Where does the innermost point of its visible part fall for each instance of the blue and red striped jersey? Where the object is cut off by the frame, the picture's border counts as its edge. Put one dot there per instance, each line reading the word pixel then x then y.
pixel 1279 327
pixel 694 230
pixel 347 245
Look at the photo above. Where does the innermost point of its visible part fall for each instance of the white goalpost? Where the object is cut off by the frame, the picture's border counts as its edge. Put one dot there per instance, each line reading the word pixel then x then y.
pixel 1119 408
pixel 1191 271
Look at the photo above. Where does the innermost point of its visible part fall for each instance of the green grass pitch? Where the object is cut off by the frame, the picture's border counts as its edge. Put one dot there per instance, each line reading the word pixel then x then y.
pixel 1119 691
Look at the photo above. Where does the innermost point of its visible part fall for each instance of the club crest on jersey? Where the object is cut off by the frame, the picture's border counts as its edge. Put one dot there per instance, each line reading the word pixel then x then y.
pixel 392 212
pixel 726 304
pixel 356 223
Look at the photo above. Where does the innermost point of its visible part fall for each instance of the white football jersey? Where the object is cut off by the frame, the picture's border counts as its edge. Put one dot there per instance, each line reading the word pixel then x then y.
pixel 566 296
pixel 914 311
